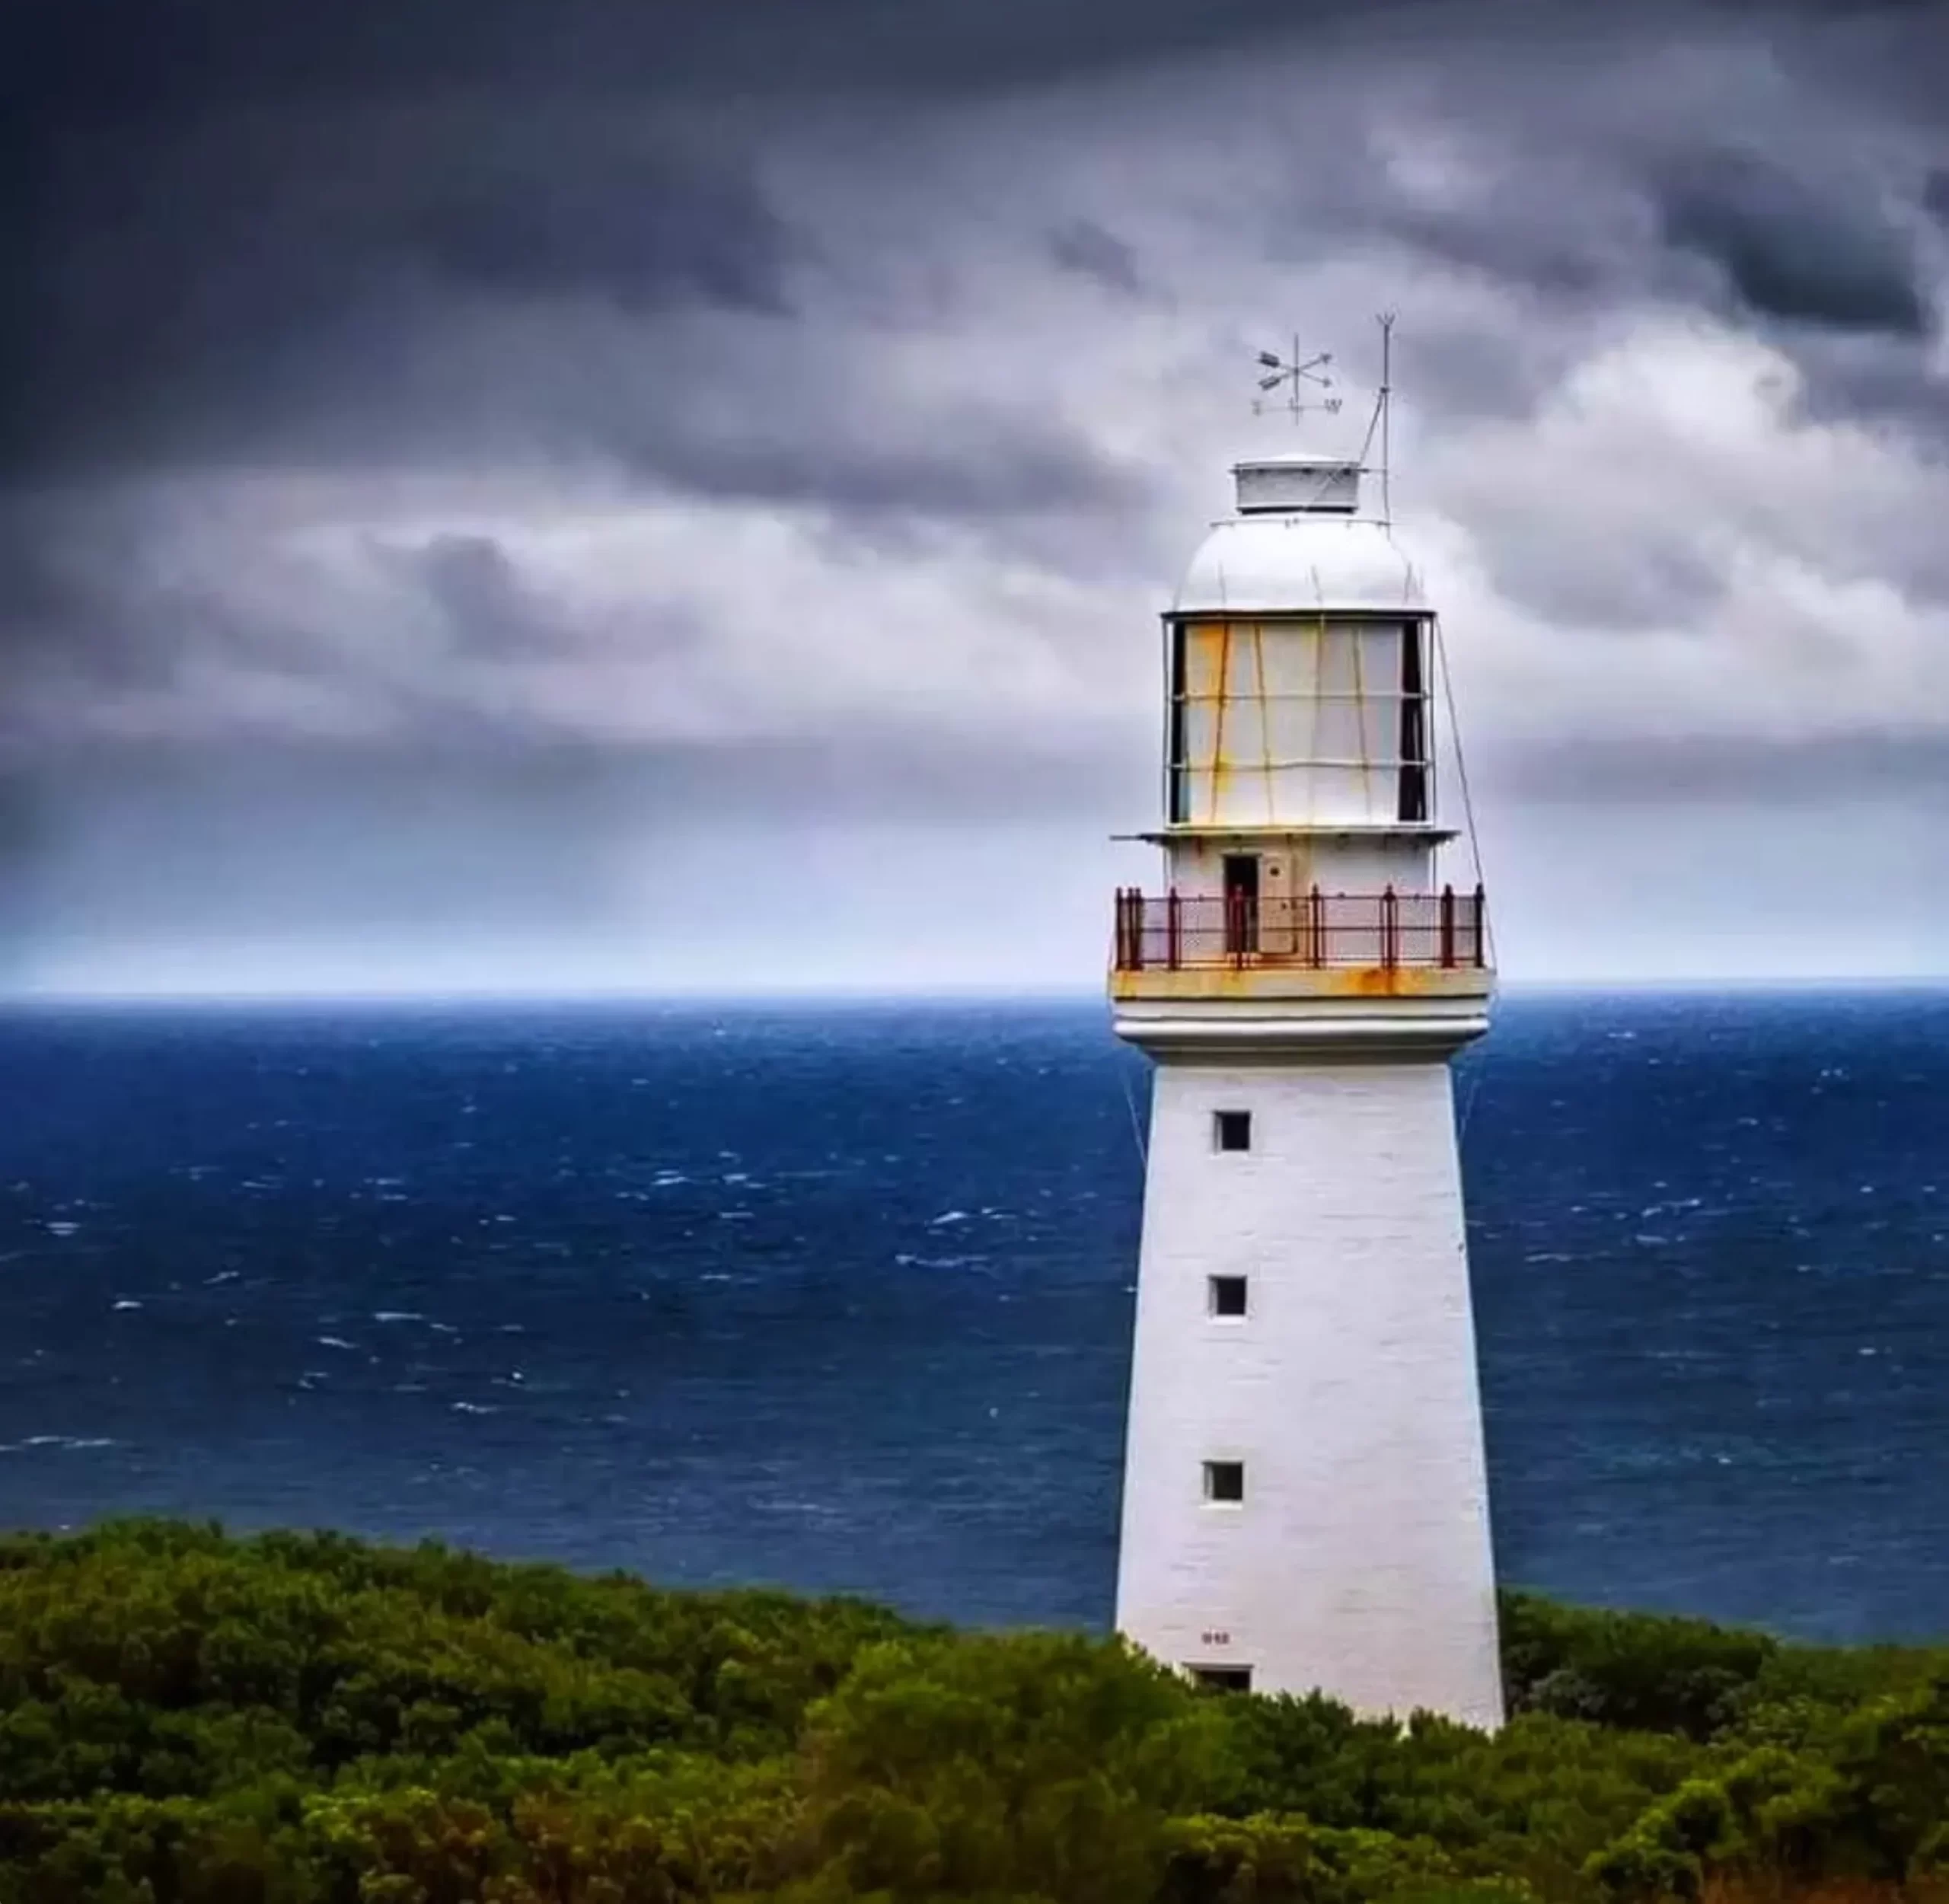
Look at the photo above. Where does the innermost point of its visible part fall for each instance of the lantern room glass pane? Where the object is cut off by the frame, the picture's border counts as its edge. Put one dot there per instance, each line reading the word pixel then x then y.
pixel 1296 722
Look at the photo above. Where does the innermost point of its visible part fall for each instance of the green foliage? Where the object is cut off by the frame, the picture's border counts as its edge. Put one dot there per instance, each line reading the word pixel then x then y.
pixel 1039 1762
pixel 1638 1669
pixel 307 1719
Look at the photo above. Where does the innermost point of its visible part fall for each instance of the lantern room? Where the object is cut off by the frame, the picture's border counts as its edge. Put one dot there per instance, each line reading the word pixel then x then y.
pixel 1300 797
pixel 1297 664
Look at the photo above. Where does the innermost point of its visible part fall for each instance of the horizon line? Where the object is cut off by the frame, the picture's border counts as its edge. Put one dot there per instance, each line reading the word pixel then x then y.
pixel 869 994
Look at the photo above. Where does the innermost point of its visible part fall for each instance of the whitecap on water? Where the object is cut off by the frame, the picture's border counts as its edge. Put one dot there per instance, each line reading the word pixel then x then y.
pixel 126 1301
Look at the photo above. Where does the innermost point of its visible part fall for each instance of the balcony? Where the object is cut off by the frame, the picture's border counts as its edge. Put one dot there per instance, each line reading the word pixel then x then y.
pixel 1312 945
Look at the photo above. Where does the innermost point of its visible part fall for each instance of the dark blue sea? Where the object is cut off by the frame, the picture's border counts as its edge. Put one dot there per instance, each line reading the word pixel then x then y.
pixel 840 1298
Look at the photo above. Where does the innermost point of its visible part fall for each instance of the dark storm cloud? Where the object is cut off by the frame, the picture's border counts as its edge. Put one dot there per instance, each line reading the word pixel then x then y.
pixel 644 229
pixel 184 55
pixel 994 468
pixel 1898 389
pixel 1558 235
pixel 1091 251
pixel 178 287
pixel 1791 250
pixel 234 224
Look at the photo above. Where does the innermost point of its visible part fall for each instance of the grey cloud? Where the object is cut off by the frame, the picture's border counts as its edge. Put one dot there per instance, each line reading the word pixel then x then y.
pixel 646 229
pixel 1601 582
pixel 989 468
pixel 1788 773
pixel 323 846
pixel 220 211
pixel 190 286
pixel 340 838
pixel 1888 384
pixel 184 56
pixel 1088 249
pixel 1791 251
pixel 491 609
pixel 1539 236
pixel 315 235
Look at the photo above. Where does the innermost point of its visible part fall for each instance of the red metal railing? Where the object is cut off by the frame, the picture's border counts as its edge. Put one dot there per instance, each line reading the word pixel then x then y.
pixel 1175 932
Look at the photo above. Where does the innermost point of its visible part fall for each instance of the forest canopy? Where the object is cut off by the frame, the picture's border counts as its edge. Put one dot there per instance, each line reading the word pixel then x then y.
pixel 187 1718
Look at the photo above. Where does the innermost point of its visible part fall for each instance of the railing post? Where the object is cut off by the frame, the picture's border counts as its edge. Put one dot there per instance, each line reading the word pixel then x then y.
pixel 1173 931
pixel 1390 929
pixel 1316 928
pixel 1482 932
pixel 1448 927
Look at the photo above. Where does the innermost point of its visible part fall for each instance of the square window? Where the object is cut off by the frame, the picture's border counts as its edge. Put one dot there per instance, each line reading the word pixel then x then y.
pixel 1224 1678
pixel 1226 1295
pixel 1225 1481
pixel 1232 1130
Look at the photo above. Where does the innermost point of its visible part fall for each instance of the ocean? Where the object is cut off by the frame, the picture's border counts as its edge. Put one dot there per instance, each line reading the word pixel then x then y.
pixel 839 1298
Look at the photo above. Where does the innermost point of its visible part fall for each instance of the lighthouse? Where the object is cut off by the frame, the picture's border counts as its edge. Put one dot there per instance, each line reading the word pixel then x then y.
pixel 1305 1504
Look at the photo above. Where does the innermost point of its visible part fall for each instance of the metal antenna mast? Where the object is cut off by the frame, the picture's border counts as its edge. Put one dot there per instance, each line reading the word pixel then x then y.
pixel 1386 322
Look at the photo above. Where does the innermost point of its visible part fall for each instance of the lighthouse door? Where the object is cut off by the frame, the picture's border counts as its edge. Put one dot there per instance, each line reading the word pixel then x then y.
pixel 1241 903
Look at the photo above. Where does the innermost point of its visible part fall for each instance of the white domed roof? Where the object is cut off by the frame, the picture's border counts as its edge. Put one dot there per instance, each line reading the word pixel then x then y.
pixel 1299 562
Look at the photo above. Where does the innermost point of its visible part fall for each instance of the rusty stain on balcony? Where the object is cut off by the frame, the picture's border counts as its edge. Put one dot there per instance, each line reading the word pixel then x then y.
pixel 1203 984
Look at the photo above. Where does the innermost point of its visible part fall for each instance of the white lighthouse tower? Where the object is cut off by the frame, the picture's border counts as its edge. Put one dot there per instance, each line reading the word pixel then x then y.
pixel 1305 1505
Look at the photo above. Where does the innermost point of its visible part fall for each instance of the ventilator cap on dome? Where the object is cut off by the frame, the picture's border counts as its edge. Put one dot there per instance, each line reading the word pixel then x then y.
pixel 1297 485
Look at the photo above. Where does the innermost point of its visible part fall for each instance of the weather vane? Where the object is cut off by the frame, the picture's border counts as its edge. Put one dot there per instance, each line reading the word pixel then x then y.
pixel 1295 371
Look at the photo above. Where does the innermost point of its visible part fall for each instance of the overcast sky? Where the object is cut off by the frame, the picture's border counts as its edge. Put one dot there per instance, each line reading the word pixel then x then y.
pixel 560 494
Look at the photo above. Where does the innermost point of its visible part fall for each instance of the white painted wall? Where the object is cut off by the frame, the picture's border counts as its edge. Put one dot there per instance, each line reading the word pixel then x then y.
pixel 1360 1560
pixel 1293 864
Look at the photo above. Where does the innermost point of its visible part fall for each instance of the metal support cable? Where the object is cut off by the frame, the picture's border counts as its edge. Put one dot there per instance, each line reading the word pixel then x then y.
pixel 1484 929
pixel 1136 1122
pixel 1461 779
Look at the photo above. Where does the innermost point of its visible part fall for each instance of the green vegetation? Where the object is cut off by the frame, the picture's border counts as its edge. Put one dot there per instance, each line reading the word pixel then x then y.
pixel 187 1719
